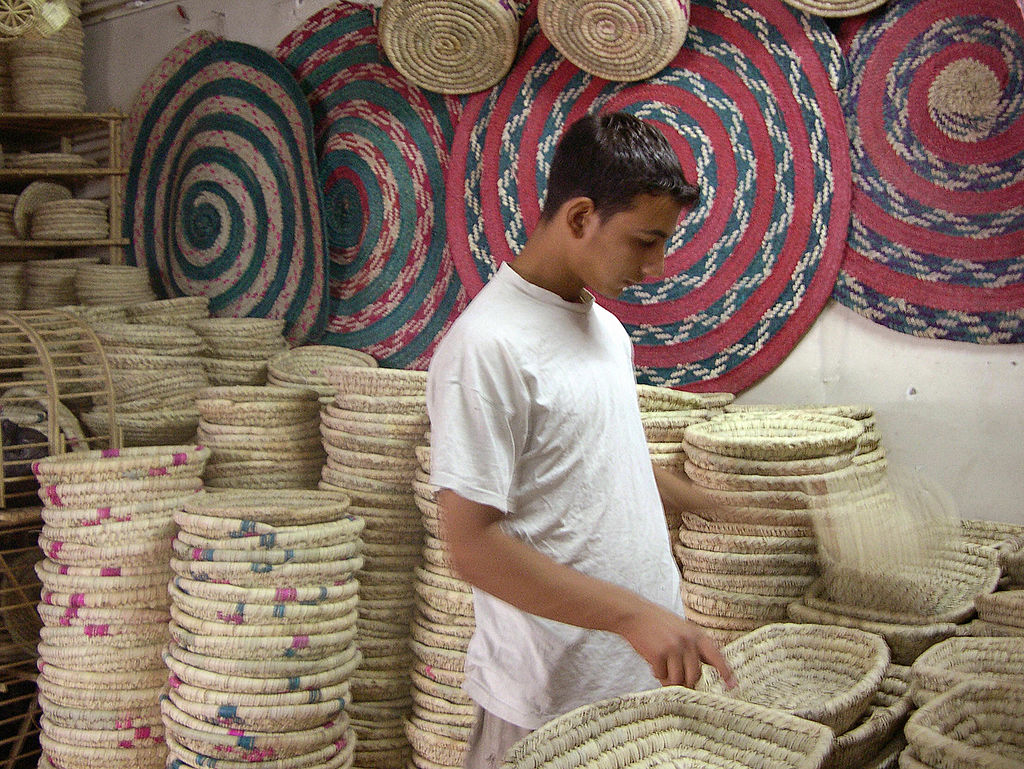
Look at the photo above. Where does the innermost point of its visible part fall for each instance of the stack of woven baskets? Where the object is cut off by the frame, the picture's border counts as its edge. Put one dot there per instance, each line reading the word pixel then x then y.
pixel 263 630
pixel 46 71
pixel 50 283
pixel 1000 613
pixel 665 413
pixel 955 660
pixel 261 437
pixel 236 350
pixel 34 195
pixel 307 367
pixel 76 219
pixel 7 231
pixel 108 528
pixel 173 312
pixel 840 677
pixel 155 373
pixel 113 284
pixel 747 557
pixel 370 434
pixel 977 723
pixel 443 623
pixel 12 285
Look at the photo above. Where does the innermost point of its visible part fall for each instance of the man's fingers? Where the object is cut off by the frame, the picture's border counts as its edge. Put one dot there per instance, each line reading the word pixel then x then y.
pixel 691 664
pixel 711 655
pixel 676 672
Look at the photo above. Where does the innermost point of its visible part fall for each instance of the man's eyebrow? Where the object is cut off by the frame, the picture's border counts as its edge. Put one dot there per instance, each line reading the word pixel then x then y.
pixel 655 231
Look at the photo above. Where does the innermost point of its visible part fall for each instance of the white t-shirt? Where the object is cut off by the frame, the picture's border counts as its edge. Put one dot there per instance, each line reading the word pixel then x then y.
pixel 533 409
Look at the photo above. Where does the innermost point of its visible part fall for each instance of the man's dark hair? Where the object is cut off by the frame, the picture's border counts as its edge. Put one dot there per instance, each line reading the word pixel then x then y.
pixel 611 159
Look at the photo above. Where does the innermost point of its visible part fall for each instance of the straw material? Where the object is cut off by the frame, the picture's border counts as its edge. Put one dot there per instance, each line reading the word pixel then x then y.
pixel 614 39
pixel 736 543
pixel 135 679
pixel 882 721
pixel 263 668
pixel 377 382
pixel 79 495
pixel 310 594
pixel 260 719
pixel 906 641
pixel 458 48
pixel 745 563
pixel 99 699
pixel 282 616
pixel 944 589
pixel 230 534
pixel 121 464
pixel 281 507
pixel 976 724
pixel 67 756
pixel 204 696
pixel 726 603
pixel 956 660
pixel 177 310
pixel 307 365
pixel 778 436
pixel 331 756
pixel 101 660
pixel 655 398
pixel 249 574
pixel 790 586
pixel 701 523
pixel 1005 607
pixel 267 646
pixel 126 718
pixel 34 195
pixel 825 673
pixel 672 725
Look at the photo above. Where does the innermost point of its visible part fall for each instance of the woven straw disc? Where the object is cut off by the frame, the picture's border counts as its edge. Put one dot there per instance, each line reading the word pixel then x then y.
pixel 616 39
pixel 453 48
pixel 33 196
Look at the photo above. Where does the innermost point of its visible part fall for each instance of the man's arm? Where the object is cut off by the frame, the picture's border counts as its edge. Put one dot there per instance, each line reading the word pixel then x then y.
pixel 679 494
pixel 514 572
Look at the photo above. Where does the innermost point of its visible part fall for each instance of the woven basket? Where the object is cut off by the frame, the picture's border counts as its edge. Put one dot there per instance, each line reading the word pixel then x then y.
pixel 238 534
pixel 782 436
pixel 883 720
pixel 745 563
pixel 790 586
pixel 34 195
pixel 67 756
pixel 285 718
pixel 330 756
pixel 654 398
pixel 945 589
pixel 316 645
pixel 979 628
pixel 249 574
pixel 204 696
pixel 824 673
pixel 262 667
pixel 140 678
pixel 1005 607
pixel 102 494
pixel 727 603
pixel 126 719
pixel 699 523
pixel 122 464
pixel 177 310
pixel 308 364
pixel 280 616
pixel 956 660
pixel 98 698
pixel 737 543
pixel 306 594
pixel 672 725
pixel 377 382
pixel 281 507
pixel 976 724
pixel 906 641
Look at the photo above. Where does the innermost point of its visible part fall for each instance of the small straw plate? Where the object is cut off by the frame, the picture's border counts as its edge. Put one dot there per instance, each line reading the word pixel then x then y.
pixel 310 646
pixel 275 506
pixel 779 436
pixel 672 726
pixel 308 595
pixel 121 464
pixel 824 673
pixel 281 718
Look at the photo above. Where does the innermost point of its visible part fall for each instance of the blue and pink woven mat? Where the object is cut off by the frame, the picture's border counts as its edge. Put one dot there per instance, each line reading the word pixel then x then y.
pixel 382 146
pixel 221 198
pixel 749 105
pixel 935 111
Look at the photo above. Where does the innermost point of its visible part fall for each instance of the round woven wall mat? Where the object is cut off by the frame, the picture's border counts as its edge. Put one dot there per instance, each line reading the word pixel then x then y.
pixel 936 143
pixel 741 283
pixel 616 40
pixel 455 48
pixel 383 154
pixel 221 197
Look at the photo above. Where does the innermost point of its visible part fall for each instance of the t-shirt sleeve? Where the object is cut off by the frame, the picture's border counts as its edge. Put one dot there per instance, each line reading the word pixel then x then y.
pixel 473 432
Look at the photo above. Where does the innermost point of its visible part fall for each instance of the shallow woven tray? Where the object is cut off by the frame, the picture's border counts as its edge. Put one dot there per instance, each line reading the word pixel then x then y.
pixel 672 726
pixel 121 464
pixel 956 660
pixel 745 563
pixel 975 725
pixel 778 436
pixel 34 195
pixel 263 668
pixel 791 586
pixel 882 721
pixel 377 382
pixel 274 507
pixel 1005 607
pixel 943 590
pixel 825 673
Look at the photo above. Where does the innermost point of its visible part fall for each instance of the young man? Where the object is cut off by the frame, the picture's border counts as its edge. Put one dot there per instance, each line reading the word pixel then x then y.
pixel 550 505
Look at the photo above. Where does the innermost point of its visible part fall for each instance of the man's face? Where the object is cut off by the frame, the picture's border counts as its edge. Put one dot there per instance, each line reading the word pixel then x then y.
pixel 629 247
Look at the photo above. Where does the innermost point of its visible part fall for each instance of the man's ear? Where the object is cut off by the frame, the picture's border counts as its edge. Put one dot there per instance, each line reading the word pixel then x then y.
pixel 579 215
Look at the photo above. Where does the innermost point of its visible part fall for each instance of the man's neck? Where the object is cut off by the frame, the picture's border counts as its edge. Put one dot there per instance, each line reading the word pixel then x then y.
pixel 540 264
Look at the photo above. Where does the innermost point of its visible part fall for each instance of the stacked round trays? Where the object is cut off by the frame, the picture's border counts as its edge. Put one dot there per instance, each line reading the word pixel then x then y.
pixel 261 437
pixel 237 349
pixel 974 725
pixel 753 552
pixel 665 413
pixel 263 624
pixel 371 433
pixel 108 525
pixel 443 623
pixel 956 660
pixel 1000 614
pixel 673 726
pixel 307 367
pixel 176 312
pixel 7 231
pixel 113 284
pixel 12 280
pixel 155 373
pixel 50 283
pixel 46 66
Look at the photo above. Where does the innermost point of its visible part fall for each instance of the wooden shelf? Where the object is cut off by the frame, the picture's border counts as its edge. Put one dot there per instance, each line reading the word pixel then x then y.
pixel 22 244
pixel 35 173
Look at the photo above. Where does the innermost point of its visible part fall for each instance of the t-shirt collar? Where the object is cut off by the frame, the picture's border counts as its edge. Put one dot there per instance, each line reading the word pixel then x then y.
pixel 507 274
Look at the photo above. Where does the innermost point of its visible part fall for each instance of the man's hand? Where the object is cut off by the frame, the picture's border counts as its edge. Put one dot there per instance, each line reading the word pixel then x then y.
pixel 674 647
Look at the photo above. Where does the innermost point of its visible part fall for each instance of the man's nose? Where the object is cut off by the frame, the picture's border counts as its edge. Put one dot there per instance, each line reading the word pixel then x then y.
pixel 654 266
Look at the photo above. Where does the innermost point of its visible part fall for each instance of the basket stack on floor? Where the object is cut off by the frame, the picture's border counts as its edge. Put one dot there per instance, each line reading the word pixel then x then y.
pixel 974 725
pixel 443 622
pixel 236 350
pixel 172 312
pixel 7 201
pixel 113 284
pixel 261 437
pixel 665 413
pixel 74 219
pixel 370 433
pixel 840 677
pixel 748 558
pixel 155 373
pixel 263 624
pixel 107 537
pixel 12 285
pixel 307 367
pixel 46 69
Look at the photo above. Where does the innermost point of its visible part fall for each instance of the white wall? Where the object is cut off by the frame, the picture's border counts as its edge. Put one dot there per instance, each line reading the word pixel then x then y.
pixel 953 411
